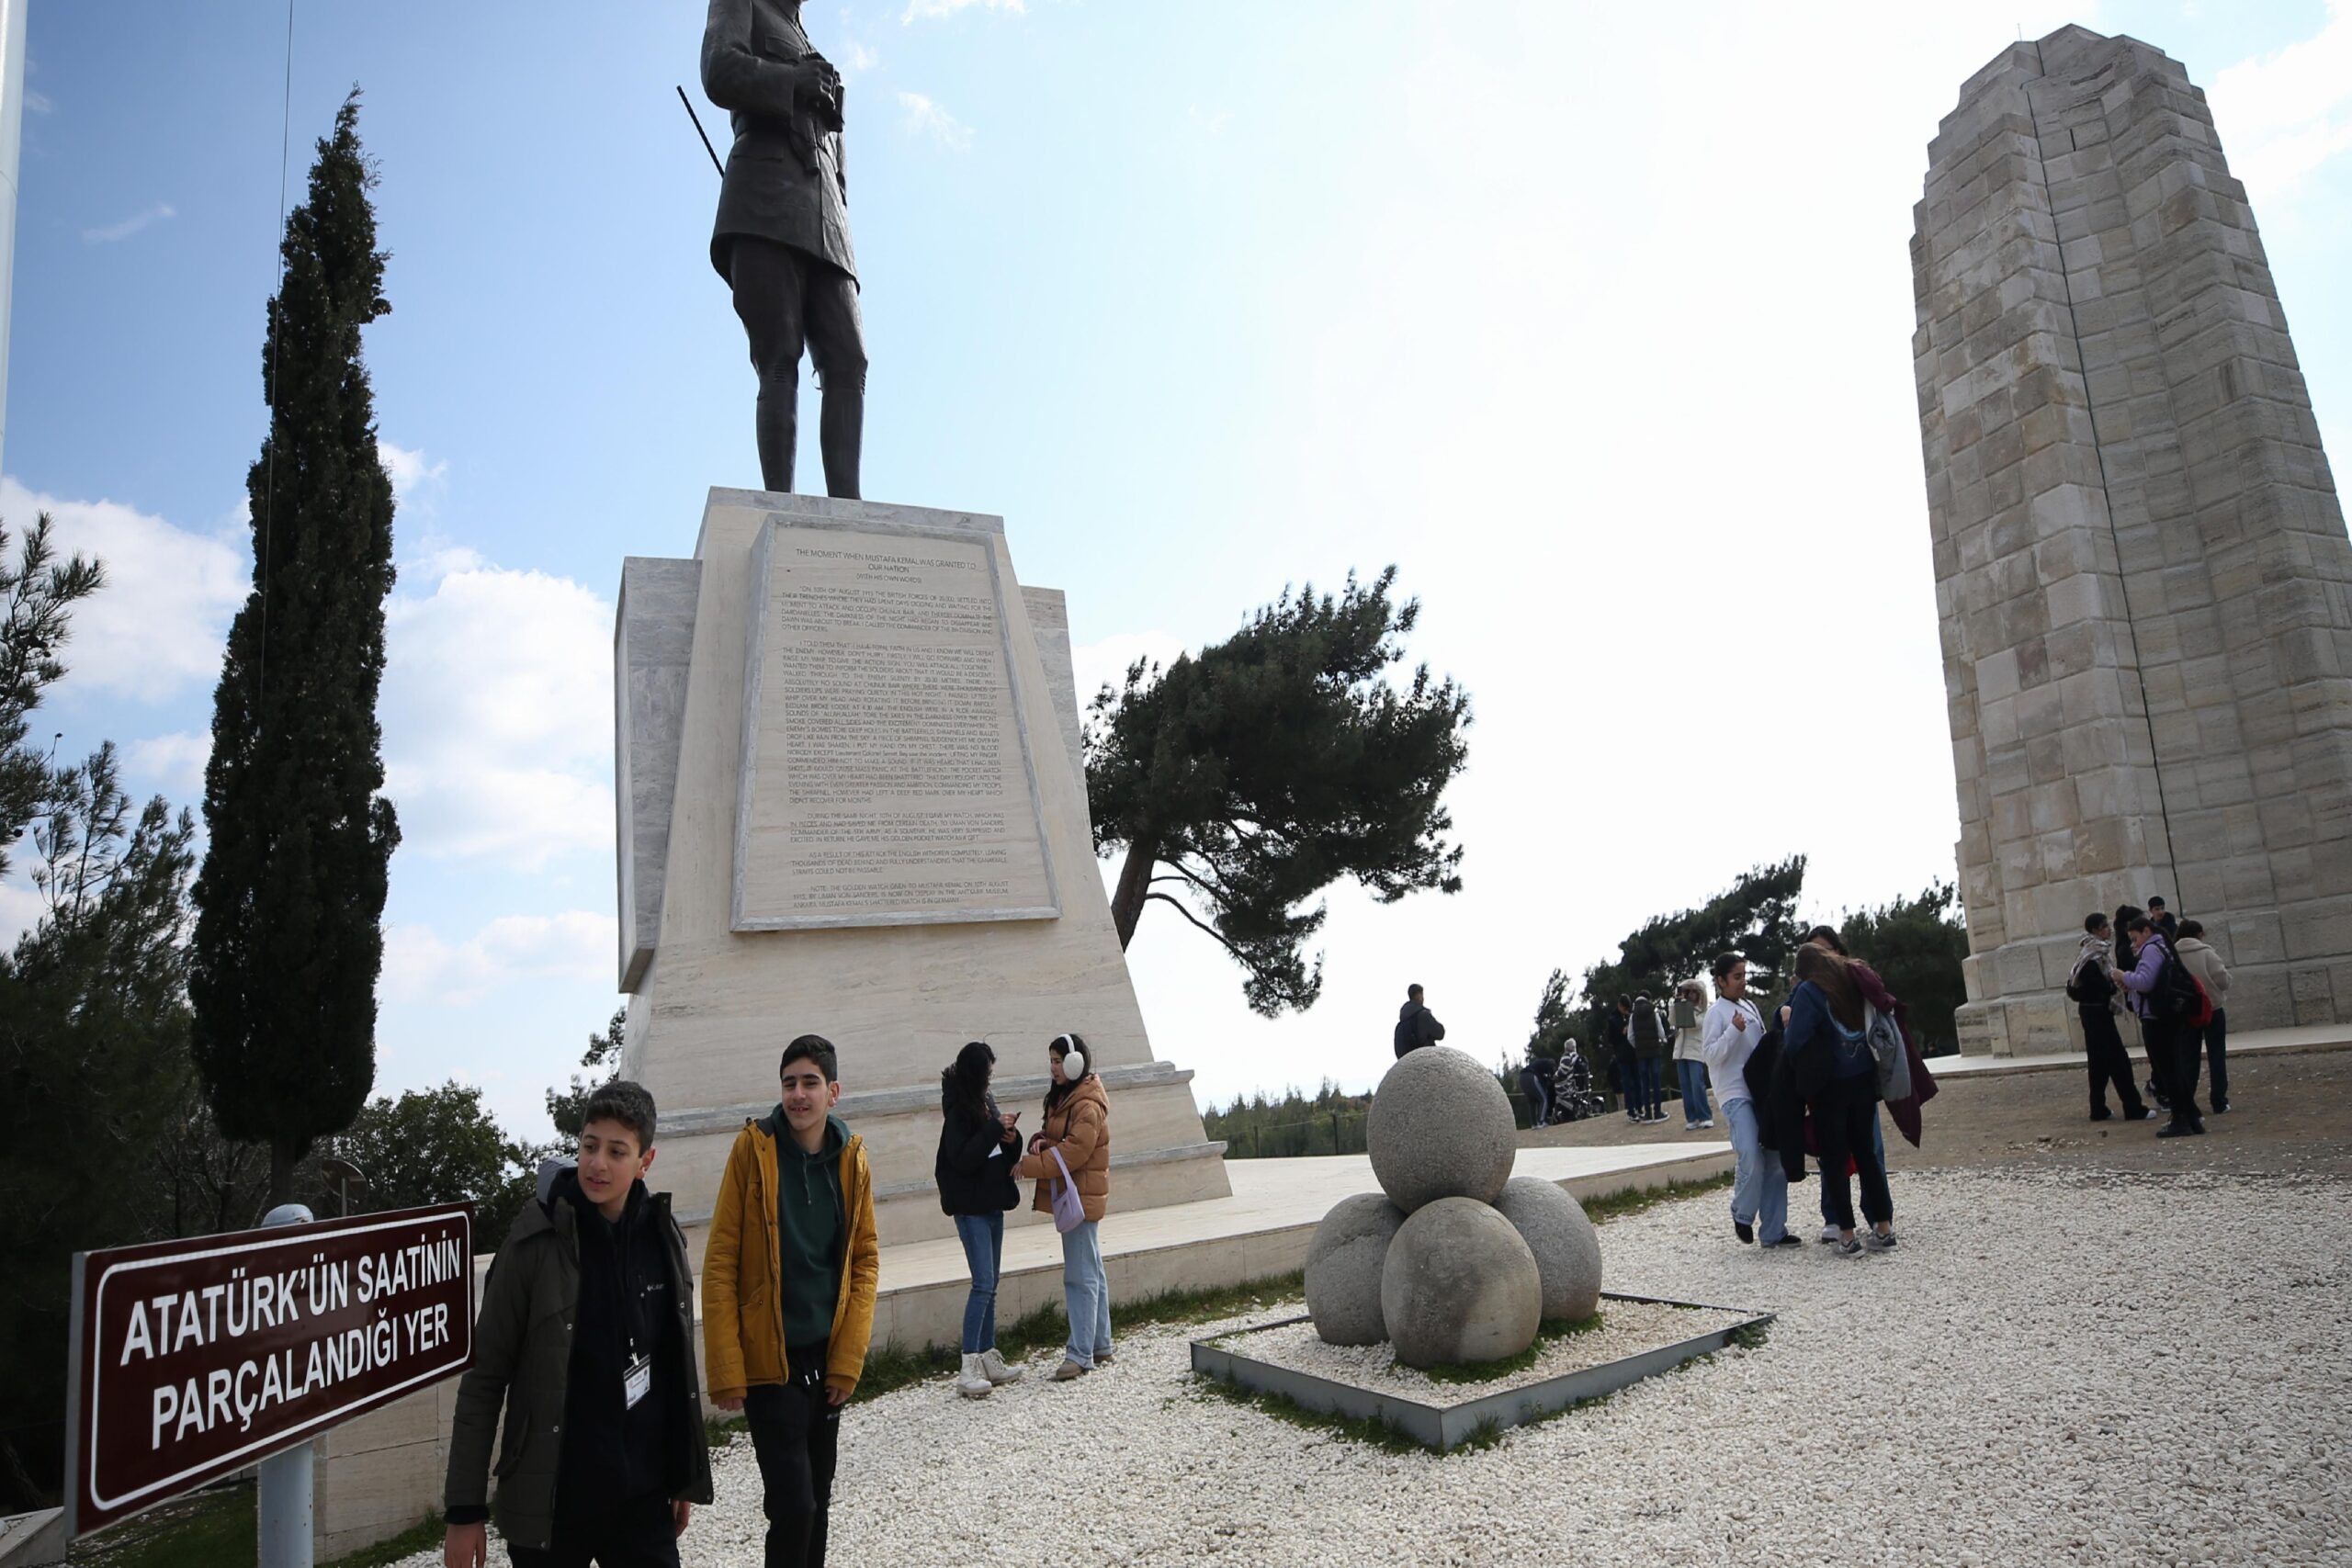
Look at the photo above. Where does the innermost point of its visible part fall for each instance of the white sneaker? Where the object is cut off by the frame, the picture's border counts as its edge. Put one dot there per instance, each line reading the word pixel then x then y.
pixel 973 1383
pixel 1829 1234
pixel 992 1366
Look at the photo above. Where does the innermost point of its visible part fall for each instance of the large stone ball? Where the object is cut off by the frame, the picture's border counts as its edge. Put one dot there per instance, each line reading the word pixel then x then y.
pixel 1343 1263
pixel 1459 1285
pixel 1568 1252
pixel 1441 1127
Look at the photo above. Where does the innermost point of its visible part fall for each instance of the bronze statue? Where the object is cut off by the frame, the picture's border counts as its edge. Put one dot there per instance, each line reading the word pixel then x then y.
pixel 782 238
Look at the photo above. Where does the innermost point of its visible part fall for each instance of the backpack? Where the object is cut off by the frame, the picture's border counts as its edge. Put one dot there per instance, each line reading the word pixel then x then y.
pixel 2088 985
pixel 2179 998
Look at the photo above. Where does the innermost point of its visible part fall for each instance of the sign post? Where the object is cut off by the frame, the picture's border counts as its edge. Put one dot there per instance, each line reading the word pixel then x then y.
pixel 193 1359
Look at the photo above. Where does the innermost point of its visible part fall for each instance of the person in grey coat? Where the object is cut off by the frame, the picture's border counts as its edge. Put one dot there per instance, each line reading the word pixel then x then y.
pixel 781 237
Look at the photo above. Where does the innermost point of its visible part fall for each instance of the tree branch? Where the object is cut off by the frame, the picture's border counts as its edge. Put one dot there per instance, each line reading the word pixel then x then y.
pixel 1178 905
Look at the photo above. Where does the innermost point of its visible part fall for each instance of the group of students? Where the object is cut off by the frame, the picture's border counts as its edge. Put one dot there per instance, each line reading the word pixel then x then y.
pixel 1642 1036
pixel 2175 986
pixel 1816 1072
pixel 584 1340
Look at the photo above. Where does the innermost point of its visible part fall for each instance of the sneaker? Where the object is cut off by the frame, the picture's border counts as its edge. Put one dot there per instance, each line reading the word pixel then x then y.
pixel 2220 1107
pixel 1785 1239
pixel 2175 1130
pixel 1742 1229
pixel 2145 1114
pixel 2197 1125
pixel 2102 1114
pixel 1068 1371
pixel 1878 1243
pixel 1104 1358
pixel 1708 1125
pixel 992 1366
pixel 1847 1250
pixel 1829 1235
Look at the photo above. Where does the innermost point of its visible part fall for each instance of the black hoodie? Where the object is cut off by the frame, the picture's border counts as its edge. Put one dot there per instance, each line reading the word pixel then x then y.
pixel 611 1449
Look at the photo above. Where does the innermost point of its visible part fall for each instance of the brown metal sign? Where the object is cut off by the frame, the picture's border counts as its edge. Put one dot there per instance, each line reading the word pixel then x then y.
pixel 194 1358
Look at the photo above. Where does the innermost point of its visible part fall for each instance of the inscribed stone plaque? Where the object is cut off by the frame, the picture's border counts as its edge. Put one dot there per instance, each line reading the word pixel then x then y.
pixel 888 778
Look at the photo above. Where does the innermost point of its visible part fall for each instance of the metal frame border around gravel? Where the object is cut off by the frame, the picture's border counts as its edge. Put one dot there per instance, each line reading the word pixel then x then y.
pixel 1443 1427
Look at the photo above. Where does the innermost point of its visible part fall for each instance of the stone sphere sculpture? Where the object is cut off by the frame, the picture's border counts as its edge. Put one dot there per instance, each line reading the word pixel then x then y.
pixel 1459 1285
pixel 1566 1249
pixel 1441 1127
pixel 1343 1265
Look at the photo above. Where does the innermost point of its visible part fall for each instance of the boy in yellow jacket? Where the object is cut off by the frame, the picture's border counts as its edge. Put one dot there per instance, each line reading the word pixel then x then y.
pixel 787 1293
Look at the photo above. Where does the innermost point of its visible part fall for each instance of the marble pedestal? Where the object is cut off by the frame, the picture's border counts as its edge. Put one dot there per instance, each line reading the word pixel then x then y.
pixel 787 865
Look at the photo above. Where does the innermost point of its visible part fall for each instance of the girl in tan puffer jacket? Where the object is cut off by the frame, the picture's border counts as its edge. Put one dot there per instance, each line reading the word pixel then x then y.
pixel 1078 1127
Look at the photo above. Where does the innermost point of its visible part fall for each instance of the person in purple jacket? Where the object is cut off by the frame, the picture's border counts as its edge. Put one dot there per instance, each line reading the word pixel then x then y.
pixel 2168 1038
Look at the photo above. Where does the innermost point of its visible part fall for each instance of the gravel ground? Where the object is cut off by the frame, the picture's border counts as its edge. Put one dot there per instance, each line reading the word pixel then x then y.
pixel 1627 1329
pixel 2054 1368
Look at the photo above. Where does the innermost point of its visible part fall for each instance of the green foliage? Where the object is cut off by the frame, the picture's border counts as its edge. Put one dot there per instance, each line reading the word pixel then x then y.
pixel 93 1064
pixel 1244 780
pixel 1551 1018
pixel 288 938
pixel 37 597
pixel 1754 916
pixel 604 1056
pixel 440 1145
pixel 1329 1122
pixel 1916 945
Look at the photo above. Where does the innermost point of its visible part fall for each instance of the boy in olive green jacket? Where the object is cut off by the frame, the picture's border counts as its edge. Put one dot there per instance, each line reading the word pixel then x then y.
pixel 788 1281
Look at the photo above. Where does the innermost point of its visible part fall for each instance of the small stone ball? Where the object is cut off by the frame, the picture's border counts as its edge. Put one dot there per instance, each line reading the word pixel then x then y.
pixel 1441 1127
pixel 1343 1263
pixel 1566 1248
pixel 1459 1285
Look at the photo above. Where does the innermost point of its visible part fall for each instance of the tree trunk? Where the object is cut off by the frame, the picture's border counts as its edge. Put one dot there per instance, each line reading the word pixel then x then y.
pixel 1134 881
pixel 283 1158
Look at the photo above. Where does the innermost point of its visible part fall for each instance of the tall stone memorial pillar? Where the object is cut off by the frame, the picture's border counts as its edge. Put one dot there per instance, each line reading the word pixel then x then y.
pixel 851 804
pixel 2140 564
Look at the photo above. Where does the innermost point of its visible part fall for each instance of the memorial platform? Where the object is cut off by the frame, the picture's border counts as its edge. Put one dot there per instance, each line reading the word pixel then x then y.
pixel 1261 1231
pixel 2253 1042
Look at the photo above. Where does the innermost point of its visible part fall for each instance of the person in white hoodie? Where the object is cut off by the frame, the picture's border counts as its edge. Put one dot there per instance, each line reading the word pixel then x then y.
pixel 1760 1194
pixel 1689 1067
pixel 2214 975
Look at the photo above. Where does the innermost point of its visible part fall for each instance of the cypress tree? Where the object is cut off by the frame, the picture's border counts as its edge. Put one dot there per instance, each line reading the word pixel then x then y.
pixel 288 941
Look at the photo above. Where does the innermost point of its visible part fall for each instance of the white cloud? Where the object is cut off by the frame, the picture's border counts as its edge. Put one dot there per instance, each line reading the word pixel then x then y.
pixel 20 904
pixel 176 761
pixel 498 720
pixel 2283 115
pixel 408 469
pixel 924 117
pixel 858 59
pixel 109 233
pixel 419 965
pixel 36 103
pixel 157 625
pixel 920 10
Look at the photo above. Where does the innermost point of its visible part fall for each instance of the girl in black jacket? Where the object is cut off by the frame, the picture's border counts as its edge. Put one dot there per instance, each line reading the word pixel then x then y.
pixel 978 1146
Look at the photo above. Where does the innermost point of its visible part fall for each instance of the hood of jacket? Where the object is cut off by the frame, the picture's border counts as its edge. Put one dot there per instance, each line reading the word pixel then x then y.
pixel 1088 1088
pixel 2189 944
pixel 776 1127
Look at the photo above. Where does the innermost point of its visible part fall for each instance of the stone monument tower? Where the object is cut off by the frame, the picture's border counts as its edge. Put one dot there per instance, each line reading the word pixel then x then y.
pixel 851 804
pixel 2140 563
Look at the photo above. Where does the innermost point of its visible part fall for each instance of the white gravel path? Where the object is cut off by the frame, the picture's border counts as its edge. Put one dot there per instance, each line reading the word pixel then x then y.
pixel 2053 1369
pixel 1626 1328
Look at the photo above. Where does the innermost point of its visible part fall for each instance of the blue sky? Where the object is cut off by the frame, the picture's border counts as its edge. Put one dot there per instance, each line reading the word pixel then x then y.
pixel 1595 321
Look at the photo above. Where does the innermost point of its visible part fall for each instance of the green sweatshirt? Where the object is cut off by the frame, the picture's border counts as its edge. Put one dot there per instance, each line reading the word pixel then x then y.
pixel 811 1228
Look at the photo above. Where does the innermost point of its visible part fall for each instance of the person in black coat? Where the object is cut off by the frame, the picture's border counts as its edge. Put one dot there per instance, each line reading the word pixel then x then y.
pixel 978 1146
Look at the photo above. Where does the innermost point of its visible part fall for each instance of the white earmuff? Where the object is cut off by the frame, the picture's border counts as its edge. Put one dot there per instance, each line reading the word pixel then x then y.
pixel 1074 1066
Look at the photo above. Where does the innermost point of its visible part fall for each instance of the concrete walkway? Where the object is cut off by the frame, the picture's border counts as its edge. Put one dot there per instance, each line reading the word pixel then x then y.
pixel 1263 1229
pixel 2255 1041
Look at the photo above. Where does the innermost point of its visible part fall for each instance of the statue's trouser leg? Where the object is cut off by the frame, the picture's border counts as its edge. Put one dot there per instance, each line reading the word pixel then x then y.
pixel 837 347
pixel 766 279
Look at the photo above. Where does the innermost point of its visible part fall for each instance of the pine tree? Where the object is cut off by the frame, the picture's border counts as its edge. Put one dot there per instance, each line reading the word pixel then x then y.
pixel 288 941
pixel 1250 777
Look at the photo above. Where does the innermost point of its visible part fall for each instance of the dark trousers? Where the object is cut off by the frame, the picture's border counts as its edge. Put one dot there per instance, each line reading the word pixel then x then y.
pixel 2173 1049
pixel 636 1534
pixel 787 301
pixel 2217 1057
pixel 2109 1063
pixel 1842 1115
pixel 797 1435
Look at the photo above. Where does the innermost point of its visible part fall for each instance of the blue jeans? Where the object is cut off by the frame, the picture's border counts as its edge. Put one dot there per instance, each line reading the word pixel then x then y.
pixel 983 1239
pixel 1759 1190
pixel 1085 1294
pixel 1694 1090
pixel 1645 1097
pixel 1829 1209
